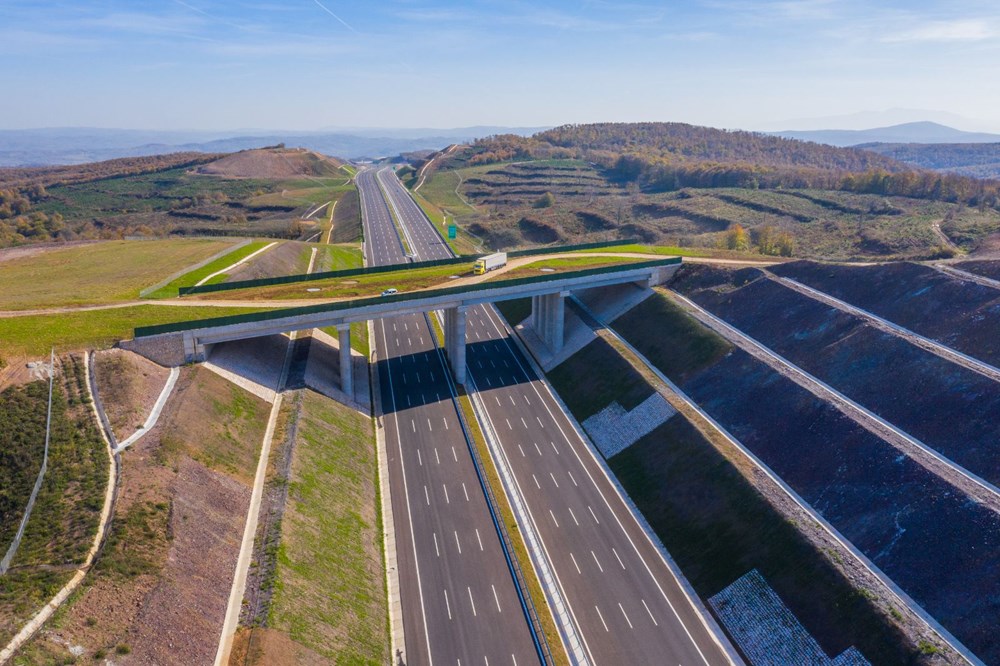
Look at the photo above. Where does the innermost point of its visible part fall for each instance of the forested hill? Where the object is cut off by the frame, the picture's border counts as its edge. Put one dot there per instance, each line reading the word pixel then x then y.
pixel 691 143
pixel 981 160
pixel 676 143
pixel 663 157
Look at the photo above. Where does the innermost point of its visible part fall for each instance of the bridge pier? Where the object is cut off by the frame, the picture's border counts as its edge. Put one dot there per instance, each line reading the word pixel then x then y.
pixel 346 369
pixel 454 340
pixel 548 316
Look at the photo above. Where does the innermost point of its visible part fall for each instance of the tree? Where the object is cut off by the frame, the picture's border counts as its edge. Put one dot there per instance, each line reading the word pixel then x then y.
pixel 737 238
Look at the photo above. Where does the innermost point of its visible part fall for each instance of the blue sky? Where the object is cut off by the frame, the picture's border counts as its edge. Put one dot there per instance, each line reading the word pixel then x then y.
pixel 310 64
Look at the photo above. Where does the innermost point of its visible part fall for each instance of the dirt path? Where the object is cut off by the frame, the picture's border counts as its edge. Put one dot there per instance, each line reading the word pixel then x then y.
pixel 943 237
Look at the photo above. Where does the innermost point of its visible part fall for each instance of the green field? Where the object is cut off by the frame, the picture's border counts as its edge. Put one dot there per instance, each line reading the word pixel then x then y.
pixel 337 257
pixel 96 273
pixel 32 336
pixel 192 278
pixel 330 595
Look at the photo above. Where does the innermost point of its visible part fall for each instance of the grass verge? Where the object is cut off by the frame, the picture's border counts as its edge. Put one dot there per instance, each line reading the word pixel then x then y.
pixel 329 590
pixel 33 336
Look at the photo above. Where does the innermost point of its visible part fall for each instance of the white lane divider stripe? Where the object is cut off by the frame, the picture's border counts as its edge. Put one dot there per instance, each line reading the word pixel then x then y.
pixel 427 496
pixel 598 615
pixel 575 564
pixel 446 493
pixel 655 623
pixel 420 458
pixel 536 481
pixel 473 602
pixel 554 479
pixel 537 448
pixel 467 499
pixel 626 616
pixel 447 605
pixel 458 543
pixel 597 561
pixel 572 479
pixel 479 539
pixel 593 515
pixel 574 516
pixel 496 598
pixel 619 558
pixel 436 549
pixel 554 518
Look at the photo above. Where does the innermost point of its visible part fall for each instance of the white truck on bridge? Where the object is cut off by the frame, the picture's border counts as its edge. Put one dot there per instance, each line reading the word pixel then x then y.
pixel 489 262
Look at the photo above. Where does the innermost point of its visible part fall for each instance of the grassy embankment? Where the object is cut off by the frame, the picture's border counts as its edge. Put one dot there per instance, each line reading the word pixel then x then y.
pixel 33 336
pixel 329 600
pixel 65 518
pixel 96 273
pixel 694 488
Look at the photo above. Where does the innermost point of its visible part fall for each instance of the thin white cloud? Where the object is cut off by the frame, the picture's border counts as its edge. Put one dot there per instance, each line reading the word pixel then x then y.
pixel 960 30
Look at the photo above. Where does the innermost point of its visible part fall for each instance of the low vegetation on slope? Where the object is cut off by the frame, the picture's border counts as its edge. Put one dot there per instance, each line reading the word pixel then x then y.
pixel 690 186
pixel 65 518
pixel 329 601
pixel 251 193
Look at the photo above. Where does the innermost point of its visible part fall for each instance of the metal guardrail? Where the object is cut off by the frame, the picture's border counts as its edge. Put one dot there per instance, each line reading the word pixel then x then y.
pixel 146 331
pixel 388 268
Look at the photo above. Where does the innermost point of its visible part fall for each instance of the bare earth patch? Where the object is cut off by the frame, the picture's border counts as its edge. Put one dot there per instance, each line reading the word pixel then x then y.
pixel 129 386
pixel 182 619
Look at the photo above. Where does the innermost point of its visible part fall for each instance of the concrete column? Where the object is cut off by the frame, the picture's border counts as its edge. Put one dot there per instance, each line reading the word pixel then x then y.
pixel 346 371
pixel 458 364
pixel 536 314
pixel 449 333
pixel 558 321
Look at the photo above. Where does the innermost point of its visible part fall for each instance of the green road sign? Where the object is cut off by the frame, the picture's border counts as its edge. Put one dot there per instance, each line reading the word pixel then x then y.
pixel 452 231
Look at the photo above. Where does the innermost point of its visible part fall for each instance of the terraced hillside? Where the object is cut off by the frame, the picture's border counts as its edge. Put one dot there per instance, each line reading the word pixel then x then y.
pixel 550 201
pixel 922 531
pixel 252 193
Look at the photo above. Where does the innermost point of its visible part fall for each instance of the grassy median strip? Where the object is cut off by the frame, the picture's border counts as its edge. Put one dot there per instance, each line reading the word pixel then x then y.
pixel 34 335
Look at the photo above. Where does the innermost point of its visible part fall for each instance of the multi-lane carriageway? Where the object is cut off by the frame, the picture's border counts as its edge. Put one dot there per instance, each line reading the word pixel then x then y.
pixel 625 605
pixel 460 604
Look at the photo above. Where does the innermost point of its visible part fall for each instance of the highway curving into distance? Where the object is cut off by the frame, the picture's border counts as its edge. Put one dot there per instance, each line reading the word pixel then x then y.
pixel 626 604
pixel 460 603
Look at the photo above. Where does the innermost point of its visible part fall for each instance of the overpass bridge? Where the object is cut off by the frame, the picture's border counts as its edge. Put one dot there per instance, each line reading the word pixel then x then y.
pixel 190 341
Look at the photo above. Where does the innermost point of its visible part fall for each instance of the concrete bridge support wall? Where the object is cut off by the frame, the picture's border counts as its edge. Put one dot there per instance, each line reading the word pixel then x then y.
pixel 454 340
pixel 548 317
pixel 346 374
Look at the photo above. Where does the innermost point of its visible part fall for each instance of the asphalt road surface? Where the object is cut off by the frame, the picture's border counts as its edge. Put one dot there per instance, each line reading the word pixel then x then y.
pixel 626 603
pixel 460 604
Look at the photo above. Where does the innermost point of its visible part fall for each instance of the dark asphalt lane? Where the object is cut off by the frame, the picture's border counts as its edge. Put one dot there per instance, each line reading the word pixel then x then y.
pixel 460 605
pixel 625 601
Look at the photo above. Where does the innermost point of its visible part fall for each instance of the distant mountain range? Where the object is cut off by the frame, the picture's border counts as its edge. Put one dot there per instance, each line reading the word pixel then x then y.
pixel 78 145
pixel 919 132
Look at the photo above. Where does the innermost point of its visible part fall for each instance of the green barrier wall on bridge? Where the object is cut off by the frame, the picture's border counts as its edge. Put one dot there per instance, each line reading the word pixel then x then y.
pixel 372 270
pixel 145 331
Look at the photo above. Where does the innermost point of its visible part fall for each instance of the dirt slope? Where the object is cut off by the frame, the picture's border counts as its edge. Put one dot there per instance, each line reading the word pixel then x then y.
pixel 271 163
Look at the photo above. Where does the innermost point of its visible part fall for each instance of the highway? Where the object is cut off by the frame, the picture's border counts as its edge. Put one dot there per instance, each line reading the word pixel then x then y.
pixel 460 604
pixel 625 603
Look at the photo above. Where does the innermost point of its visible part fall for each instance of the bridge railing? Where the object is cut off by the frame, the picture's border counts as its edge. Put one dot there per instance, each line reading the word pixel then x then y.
pixel 373 270
pixel 268 315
